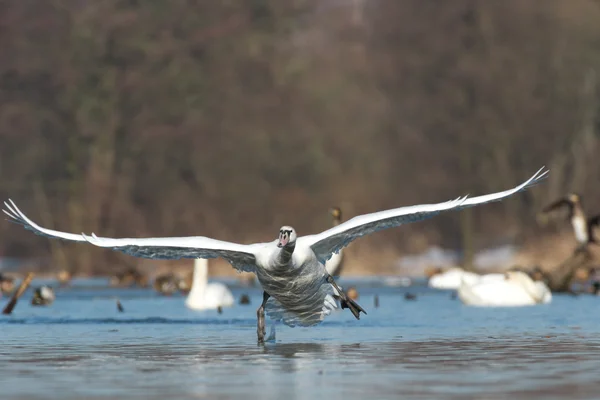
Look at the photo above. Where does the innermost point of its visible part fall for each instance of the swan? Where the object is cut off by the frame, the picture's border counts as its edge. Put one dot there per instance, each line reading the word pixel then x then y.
pixel 204 295
pixel 335 264
pixel 297 289
pixel 516 289
pixel 582 226
pixel 454 277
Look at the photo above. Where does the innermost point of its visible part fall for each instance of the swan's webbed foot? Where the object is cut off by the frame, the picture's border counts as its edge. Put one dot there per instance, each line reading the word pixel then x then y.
pixel 345 301
pixel 260 314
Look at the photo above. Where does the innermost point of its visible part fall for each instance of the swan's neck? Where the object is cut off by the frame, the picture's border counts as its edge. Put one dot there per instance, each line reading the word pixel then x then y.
pixel 285 254
pixel 200 274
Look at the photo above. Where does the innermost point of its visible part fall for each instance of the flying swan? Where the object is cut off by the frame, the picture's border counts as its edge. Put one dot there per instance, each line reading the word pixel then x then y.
pixel 297 289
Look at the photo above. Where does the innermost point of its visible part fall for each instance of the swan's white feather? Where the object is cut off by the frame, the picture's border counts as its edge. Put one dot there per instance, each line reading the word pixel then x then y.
pixel 517 289
pixel 242 257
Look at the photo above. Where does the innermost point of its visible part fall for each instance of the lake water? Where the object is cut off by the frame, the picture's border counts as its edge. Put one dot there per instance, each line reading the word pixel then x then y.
pixel 433 347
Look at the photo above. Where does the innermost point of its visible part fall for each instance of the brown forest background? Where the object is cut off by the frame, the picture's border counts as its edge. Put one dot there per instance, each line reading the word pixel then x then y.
pixel 232 118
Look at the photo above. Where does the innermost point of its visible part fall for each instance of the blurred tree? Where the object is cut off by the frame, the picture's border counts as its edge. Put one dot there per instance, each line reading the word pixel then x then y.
pixel 229 119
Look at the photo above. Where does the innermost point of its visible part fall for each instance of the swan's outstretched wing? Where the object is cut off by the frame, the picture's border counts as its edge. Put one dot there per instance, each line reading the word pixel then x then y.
pixel 242 257
pixel 332 240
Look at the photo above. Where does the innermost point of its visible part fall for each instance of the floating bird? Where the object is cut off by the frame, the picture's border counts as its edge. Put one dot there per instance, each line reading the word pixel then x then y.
pixel 335 264
pixel 128 278
pixel 43 296
pixel 376 301
pixel 64 277
pixel 204 295
pixel 244 299
pixel 185 284
pixel 352 293
pixel 7 284
pixel 297 289
pixel 410 296
pixel 516 289
pixel 582 226
pixel 166 284
pixel 120 306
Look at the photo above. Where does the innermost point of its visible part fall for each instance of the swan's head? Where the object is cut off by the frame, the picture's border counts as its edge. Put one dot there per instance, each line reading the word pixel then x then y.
pixel 574 198
pixel 336 213
pixel 287 236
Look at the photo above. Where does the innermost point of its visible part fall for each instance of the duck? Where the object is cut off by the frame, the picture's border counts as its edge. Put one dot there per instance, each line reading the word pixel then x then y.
pixel 352 293
pixel 297 289
pixel 129 278
pixel 166 284
pixel 335 264
pixel 516 289
pixel 64 277
pixel 410 296
pixel 582 227
pixel 185 284
pixel 7 284
pixel 244 299
pixel 204 295
pixel 43 296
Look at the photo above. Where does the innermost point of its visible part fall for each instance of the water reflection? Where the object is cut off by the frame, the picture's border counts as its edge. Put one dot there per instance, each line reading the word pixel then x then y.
pixel 515 367
pixel 84 348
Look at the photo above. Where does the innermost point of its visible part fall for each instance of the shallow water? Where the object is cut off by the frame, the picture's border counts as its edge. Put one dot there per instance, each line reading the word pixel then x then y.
pixel 81 347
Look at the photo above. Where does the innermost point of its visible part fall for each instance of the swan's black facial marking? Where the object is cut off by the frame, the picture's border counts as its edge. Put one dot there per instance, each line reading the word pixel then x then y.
pixel 284 237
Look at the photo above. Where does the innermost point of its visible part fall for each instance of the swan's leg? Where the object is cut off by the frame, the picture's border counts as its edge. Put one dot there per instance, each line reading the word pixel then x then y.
pixel 260 314
pixel 345 301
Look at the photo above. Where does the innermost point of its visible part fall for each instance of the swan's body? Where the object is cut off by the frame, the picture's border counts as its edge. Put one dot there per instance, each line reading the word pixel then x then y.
pixel 454 277
pixel 297 288
pixel 516 289
pixel 204 295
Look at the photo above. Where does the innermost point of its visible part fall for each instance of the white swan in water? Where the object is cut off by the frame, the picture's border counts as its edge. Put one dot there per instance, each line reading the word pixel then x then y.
pixel 296 286
pixel 516 289
pixel 204 295
pixel 454 277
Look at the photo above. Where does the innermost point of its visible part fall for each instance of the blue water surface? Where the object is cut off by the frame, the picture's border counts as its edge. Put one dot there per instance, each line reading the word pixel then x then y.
pixel 431 347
